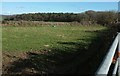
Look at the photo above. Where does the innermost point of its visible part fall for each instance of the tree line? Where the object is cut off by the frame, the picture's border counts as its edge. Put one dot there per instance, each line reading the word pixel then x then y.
pixel 99 17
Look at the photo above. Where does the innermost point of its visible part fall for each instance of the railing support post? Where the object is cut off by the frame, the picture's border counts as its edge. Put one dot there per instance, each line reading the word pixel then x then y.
pixel 118 66
pixel 119 54
pixel 107 61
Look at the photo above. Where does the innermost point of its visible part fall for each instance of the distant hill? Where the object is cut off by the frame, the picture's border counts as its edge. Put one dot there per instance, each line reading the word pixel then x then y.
pixel 87 17
pixel 2 17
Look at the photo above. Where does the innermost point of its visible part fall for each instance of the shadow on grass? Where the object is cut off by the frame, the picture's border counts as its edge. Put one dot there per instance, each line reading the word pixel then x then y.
pixel 77 59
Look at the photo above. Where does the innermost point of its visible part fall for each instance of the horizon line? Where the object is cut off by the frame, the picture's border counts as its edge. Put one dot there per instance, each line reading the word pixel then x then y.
pixel 62 12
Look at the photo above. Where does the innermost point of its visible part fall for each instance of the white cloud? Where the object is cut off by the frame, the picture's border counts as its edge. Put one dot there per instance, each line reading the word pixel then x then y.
pixel 60 0
pixel 81 9
pixel 7 13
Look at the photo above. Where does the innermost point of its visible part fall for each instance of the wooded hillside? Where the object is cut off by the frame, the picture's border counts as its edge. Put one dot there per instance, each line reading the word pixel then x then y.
pixel 91 17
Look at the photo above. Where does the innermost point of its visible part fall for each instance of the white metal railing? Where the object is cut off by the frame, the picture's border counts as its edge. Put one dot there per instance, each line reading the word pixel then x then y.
pixel 107 61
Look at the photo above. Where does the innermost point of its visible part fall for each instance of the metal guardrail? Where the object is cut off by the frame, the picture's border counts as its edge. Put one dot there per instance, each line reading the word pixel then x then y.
pixel 108 60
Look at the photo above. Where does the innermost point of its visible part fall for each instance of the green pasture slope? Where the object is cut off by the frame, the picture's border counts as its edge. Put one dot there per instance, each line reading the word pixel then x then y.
pixel 56 50
pixel 46 37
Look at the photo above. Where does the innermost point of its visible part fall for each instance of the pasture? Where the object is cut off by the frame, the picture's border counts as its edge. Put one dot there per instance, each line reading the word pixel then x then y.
pixel 45 37
pixel 53 49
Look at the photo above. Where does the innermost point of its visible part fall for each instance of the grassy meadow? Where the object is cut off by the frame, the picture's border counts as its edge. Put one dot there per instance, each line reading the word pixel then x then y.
pixel 45 37
pixel 53 49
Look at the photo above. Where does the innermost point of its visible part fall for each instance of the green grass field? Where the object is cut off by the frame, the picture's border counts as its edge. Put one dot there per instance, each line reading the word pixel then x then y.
pixel 56 50
pixel 45 37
